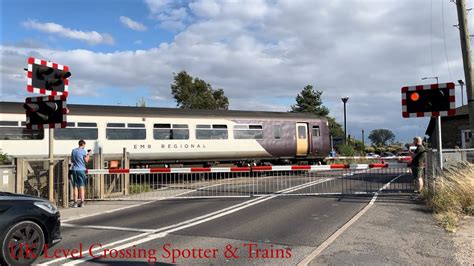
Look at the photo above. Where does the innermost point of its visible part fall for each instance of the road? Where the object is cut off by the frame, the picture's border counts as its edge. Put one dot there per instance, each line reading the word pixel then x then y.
pixel 266 229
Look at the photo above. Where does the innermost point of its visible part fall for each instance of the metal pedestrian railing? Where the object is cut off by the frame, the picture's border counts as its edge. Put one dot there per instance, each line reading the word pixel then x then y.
pixel 221 182
pixel 32 178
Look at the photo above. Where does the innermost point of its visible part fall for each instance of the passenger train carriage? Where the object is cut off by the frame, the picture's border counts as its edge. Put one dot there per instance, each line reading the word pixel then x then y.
pixel 170 135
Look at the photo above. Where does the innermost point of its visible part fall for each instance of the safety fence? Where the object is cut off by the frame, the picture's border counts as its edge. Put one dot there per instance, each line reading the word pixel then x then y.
pixel 451 157
pixel 32 178
pixel 317 180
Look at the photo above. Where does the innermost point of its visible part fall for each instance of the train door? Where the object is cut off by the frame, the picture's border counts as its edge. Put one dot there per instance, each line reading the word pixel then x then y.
pixel 302 139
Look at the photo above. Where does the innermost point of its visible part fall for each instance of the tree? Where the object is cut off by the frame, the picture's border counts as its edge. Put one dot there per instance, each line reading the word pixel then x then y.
pixel 335 129
pixel 141 103
pixel 309 101
pixel 195 93
pixel 380 137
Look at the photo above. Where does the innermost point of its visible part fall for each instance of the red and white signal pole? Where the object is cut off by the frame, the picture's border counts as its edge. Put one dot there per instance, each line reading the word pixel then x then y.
pixel 45 77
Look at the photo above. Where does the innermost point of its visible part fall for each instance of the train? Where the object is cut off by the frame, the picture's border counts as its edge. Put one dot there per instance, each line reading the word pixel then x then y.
pixel 172 135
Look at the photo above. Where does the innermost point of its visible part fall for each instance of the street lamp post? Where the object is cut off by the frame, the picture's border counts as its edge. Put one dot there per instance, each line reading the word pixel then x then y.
pixel 344 100
pixel 461 83
pixel 437 80
pixel 363 140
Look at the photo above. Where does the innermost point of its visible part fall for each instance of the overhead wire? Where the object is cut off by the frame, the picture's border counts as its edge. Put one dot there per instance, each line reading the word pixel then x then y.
pixel 444 37
pixel 431 37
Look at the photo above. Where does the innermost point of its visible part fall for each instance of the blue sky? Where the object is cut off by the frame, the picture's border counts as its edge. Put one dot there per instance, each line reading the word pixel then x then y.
pixel 261 52
pixel 84 15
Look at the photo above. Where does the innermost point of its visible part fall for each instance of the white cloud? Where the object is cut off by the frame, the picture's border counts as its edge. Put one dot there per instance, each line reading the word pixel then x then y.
pixel 205 8
pixel 131 24
pixel 157 6
pixel 262 53
pixel 171 15
pixel 91 37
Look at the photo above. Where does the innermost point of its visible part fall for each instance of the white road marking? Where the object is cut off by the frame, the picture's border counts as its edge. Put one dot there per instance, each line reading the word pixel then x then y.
pixel 102 227
pixel 334 236
pixel 124 208
pixel 161 232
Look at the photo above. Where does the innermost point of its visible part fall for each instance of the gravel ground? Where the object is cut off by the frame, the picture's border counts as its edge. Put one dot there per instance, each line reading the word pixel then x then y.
pixel 464 242
pixel 396 230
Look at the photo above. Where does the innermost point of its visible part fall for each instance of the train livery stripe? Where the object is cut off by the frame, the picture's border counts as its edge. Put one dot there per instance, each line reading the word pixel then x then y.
pixel 247 169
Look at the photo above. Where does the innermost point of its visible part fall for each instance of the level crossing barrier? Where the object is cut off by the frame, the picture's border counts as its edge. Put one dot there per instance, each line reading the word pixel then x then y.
pixel 222 182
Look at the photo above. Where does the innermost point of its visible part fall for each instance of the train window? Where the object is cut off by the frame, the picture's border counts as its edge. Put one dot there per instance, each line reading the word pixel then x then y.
pixel 125 133
pixel 20 133
pixel 71 124
pixel 136 125
pixel 162 126
pixel 86 124
pixel 115 124
pixel 255 127
pixel 241 126
pixel 9 123
pixel 217 132
pixel 276 131
pixel 164 131
pixel 248 132
pixel 316 131
pixel 219 126
pixel 203 126
pixel 301 132
pixel 75 133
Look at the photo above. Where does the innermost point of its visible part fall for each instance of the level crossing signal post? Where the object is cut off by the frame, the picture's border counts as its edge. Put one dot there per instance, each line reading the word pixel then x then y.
pixel 47 78
pixel 433 100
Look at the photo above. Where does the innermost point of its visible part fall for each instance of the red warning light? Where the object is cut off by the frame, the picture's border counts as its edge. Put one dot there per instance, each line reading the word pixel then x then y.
pixel 414 96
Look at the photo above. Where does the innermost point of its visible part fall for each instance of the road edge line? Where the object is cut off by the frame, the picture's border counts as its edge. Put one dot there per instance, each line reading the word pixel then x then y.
pixel 341 230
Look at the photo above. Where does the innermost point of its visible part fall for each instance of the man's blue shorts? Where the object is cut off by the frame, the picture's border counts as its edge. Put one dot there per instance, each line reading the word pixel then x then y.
pixel 79 178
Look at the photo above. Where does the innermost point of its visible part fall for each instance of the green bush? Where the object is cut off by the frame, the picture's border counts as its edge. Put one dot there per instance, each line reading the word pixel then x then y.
pixel 137 188
pixel 346 150
pixel 448 220
pixel 4 159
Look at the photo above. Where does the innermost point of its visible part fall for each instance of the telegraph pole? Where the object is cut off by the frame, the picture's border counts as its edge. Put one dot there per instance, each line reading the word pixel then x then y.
pixel 466 56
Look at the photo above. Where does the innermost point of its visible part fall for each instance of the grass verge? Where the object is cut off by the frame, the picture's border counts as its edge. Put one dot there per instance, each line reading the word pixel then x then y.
pixel 453 196
pixel 138 188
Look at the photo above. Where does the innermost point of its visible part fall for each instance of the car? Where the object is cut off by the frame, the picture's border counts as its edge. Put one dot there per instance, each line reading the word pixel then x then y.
pixel 373 155
pixel 27 225
pixel 404 157
pixel 387 155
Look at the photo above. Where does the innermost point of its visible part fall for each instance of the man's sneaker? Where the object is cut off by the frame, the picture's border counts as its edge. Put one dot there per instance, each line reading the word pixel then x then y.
pixel 81 204
pixel 75 205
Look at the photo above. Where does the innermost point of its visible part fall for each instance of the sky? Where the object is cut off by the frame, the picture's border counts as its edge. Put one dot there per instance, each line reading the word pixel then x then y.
pixel 261 52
